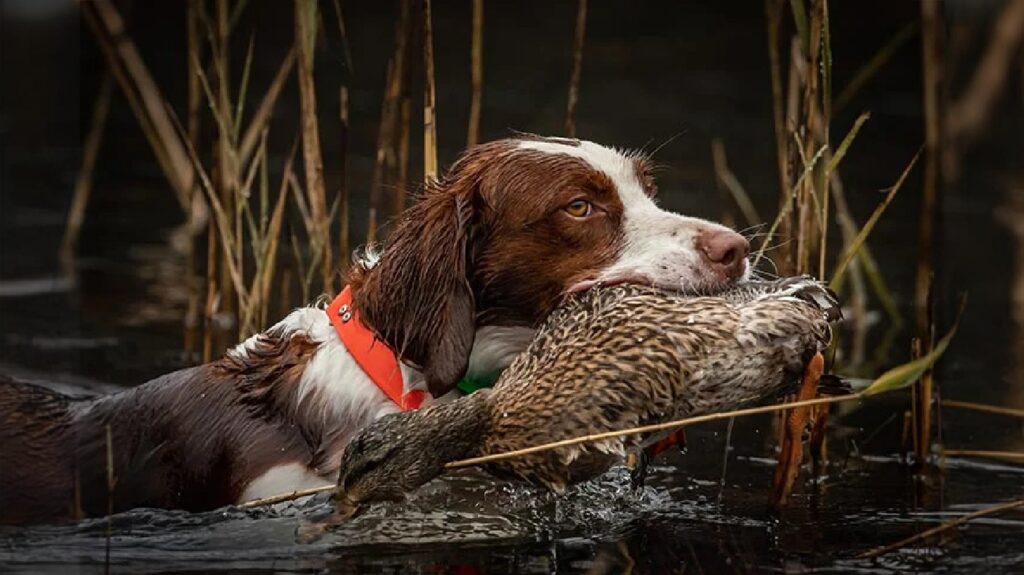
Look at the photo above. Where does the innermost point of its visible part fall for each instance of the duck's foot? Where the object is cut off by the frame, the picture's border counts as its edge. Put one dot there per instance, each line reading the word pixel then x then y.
pixel 311 531
pixel 639 461
pixel 833 385
pixel 676 439
pixel 791 448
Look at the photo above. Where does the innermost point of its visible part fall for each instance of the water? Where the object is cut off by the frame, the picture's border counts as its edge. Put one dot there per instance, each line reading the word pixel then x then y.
pixel 651 72
pixel 682 517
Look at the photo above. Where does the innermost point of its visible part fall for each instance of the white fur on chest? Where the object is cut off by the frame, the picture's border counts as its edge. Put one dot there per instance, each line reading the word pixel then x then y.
pixel 333 386
pixel 282 479
pixel 335 389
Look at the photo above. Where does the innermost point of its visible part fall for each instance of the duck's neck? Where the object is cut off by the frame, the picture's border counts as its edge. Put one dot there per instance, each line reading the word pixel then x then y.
pixel 458 428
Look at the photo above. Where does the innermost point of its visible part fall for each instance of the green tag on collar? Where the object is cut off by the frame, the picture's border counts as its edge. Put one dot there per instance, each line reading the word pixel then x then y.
pixel 469 384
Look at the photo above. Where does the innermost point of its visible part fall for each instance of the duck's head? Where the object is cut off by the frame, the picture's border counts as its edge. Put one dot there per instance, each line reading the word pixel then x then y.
pixel 402 451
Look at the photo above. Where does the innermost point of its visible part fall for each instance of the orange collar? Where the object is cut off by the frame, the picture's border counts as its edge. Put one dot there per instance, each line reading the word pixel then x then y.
pixel 373 355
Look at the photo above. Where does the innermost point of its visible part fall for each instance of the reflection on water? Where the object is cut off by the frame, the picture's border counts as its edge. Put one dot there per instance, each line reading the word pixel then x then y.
pixel 600 527
pixel 1012 216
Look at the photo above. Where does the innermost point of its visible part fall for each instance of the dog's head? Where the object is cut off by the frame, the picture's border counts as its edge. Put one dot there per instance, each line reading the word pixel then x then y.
pixel 512 227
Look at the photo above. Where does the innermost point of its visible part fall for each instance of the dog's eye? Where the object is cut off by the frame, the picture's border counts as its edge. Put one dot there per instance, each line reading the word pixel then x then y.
pixel 579 208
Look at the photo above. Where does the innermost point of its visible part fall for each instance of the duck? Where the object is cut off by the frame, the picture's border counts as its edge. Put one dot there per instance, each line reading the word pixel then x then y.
pixel 613 357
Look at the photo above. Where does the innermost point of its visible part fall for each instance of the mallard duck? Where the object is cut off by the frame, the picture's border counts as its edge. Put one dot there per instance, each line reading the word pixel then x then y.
pixel 609 358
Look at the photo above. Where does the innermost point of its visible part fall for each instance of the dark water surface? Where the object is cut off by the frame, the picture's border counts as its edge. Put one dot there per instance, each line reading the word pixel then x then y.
pixel 652 71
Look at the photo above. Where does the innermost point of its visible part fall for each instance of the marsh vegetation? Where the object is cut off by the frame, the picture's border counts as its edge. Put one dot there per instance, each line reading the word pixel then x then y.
pixel 267 142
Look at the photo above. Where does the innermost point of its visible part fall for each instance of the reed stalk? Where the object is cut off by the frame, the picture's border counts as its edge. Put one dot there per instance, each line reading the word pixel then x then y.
pixel 389 117
pixel 1014 456
pixel 931 90
pixel 84 180
pixel 261 118
pixel 106 26
pixel 858 300
pixel 194 225
pixel 984 408
pixel 384 134
pixel 807 232
pixel 346 49
pixel 403 120
pixel 305 42
pixel 826 113
pixel 402 176
pixel 878 61
pixel 966 118
pixel 577 68
pixel 429 98
pixel 855 245
pixel 728 182
pixel 476 74
pixel 344 235
pixel 226 170
pixel 343 191
pixel 272 240
pixel 773 19
pixel 879 551
pixel 210 306
pixel 142 93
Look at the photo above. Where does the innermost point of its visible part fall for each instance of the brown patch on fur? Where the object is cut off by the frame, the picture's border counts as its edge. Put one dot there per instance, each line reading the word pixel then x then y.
pixel 490 243
pixel 643 168
pixel 192 439
pixel 35 479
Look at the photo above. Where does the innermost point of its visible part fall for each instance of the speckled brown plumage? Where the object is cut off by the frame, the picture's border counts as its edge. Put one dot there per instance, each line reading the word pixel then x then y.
pixel 643 356
pixel 608 359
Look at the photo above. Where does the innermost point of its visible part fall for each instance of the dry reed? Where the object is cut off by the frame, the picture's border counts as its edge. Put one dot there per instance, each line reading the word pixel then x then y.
pixel 429 98
pixel 1014 456
pixel 344 250
pixel 142 94
pixel 476 74
pixel 931 90
pixel 84 181
pixel 985 408
pixel 728 182
pixel 879 551
pixel 305 42
pixel 577 68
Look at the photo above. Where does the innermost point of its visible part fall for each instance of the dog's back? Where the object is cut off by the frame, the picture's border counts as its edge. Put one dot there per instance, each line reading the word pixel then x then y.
pixel 193 439
pixel 35 473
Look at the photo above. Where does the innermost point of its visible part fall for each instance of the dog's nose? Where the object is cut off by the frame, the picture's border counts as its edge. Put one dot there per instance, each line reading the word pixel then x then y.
pixel 725 251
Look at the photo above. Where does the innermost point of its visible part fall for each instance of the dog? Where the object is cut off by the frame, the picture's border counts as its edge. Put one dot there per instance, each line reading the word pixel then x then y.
pixel 470 269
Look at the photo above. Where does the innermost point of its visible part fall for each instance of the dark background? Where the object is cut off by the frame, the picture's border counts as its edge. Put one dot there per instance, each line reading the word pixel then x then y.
pixel 678 73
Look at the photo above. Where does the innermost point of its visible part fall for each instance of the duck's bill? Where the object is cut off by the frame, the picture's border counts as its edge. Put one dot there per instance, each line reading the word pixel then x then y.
pixel 344 510
pixel 632 279
pixel 705 286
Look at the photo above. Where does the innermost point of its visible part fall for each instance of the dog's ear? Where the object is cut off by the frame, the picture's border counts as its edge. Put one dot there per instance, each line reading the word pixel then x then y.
pixel 417 296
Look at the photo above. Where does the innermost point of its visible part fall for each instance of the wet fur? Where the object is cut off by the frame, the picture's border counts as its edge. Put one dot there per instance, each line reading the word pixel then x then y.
pixel 489 250
pixel 191 439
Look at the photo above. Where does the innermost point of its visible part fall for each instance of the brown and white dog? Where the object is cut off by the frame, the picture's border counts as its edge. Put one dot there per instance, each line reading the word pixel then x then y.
pixel 481 258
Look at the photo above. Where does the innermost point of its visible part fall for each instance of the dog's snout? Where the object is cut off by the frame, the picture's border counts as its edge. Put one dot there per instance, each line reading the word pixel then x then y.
pixel 724 250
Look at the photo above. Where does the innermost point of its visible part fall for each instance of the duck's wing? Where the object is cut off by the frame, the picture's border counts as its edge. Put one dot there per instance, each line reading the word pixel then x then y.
pixel 594 367
pixel 626 357
pixel 774 335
